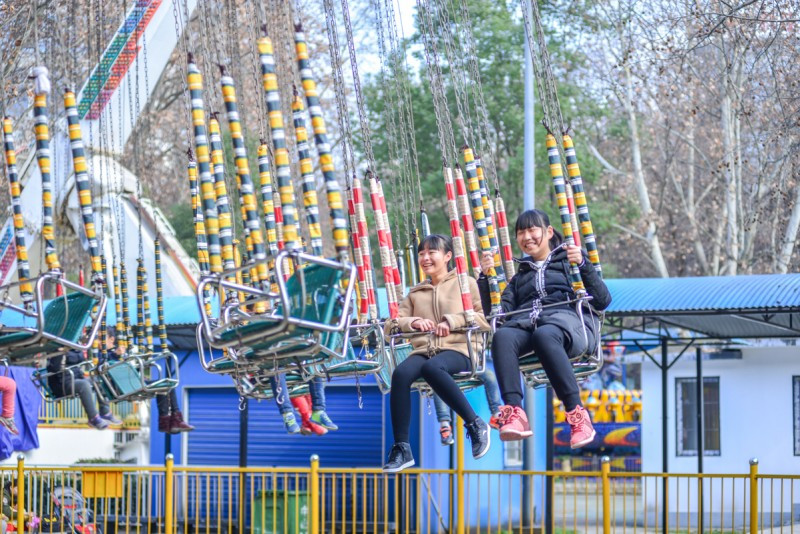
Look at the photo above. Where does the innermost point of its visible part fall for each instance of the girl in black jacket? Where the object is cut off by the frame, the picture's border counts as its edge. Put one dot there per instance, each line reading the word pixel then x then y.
pixel 554 333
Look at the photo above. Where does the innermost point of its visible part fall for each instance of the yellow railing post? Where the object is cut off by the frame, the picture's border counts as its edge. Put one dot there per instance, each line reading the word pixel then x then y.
pixel 605 469
pixel 20 493
pixel 168 494
pixel 460 526
pixel 313 494
pixel 753 496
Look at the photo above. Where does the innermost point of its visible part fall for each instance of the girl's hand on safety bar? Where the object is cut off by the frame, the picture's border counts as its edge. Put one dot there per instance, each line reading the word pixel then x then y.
pixel 424 325
pixel 442 329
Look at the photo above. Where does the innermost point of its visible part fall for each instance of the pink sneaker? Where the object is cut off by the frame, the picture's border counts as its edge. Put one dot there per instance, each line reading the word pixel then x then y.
pixel 515 424
pixel 580 424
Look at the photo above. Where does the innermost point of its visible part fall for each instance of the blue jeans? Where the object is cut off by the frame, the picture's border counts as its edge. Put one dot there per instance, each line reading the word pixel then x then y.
pixel 282 396
pixel 316 389
pixel 492 397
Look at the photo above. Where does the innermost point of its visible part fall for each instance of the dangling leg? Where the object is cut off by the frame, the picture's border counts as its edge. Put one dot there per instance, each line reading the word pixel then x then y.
pixel 281 393
pixel 493 398
pixel 508 344
pixel 404 375
pixel 318 409
pixel 443 416
pixel 438 373
pixel 550 343
pixel 178 424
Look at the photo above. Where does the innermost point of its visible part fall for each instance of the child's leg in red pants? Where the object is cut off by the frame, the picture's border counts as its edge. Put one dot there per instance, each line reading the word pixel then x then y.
pixel 9 389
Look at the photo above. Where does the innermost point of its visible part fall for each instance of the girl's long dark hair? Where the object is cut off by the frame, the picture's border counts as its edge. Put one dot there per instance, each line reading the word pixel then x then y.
pixel 538 218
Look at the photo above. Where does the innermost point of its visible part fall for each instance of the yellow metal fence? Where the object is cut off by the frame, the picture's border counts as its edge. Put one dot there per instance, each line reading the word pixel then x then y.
pixel 170 499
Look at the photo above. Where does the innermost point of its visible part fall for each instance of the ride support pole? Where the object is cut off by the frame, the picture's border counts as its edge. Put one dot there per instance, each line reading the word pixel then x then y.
pixel 460 516
pixel 20 493
pixel 168 493
pixel 313 495
pixel 605 469
pixel 753 495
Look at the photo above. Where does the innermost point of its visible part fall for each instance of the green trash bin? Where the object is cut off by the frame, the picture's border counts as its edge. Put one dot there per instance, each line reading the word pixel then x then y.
pixel 280 511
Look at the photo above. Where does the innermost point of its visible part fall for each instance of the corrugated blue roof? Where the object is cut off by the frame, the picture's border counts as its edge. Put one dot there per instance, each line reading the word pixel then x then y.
pixel 777 292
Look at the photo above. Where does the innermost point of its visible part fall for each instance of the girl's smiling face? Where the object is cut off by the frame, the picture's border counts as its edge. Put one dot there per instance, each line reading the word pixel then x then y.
pixel 535 241
pixel 434 261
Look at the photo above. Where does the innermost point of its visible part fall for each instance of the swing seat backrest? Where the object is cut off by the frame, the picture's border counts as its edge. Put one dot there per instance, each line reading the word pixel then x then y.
pixel 64 319
pixel 313 292
pixel 125 379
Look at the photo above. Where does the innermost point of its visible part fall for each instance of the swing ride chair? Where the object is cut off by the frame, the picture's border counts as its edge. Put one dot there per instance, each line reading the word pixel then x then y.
pixel 59 324
pixel 40 379
pixel 466 380
pixel 360 357
pixel 313 328
pixel 583 365
pixel 137 377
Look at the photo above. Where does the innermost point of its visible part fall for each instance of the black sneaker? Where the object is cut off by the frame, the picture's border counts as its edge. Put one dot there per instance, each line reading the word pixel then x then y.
pixel 478 433
pixel 400 457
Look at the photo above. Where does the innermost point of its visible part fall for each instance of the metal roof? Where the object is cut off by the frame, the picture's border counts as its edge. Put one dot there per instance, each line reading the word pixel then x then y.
pixel 717 307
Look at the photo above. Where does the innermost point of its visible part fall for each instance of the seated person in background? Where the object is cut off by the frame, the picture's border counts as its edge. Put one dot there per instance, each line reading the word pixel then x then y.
pixel 170 418
pixel 9 390
pixel 63 383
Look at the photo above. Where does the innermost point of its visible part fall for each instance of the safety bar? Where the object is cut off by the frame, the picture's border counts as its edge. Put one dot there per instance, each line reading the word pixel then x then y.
pixel 477 361
pixel 142 365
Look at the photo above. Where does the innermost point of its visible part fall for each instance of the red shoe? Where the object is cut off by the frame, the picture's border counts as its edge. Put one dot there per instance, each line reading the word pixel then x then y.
pixel 580 424
pixel 496 420
pixel 515 424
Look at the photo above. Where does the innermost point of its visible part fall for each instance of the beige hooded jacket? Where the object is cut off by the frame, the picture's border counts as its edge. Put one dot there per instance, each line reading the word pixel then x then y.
pixel 438 303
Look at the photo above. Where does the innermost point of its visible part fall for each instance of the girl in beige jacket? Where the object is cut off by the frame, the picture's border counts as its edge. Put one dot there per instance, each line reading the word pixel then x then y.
pixel 434 307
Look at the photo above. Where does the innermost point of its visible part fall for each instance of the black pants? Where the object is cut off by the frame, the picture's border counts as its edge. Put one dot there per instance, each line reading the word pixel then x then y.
pixel 167 403
pixel 549 343
pixel 437 372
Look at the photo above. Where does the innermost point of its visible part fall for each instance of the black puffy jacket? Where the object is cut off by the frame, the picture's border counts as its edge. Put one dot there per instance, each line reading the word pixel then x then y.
pixel 60 381
pixel 549 284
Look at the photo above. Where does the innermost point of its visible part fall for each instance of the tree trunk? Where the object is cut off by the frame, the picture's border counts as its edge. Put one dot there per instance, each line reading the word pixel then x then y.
pixel 790 237
pixel 639 181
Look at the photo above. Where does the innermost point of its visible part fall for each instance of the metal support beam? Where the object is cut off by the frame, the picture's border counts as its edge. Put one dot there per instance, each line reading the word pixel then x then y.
pixel 700 441
pixel 664 427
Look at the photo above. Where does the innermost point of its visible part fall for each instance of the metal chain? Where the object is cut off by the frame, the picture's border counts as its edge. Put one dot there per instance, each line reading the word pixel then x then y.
pixel 406 92
pixel 433 70
pixel 487 158
pixel 362 116
pixel 256 73
pixel 457 74
pixel 406 116
pixel 396 155
pixel 342 112
pixel 184 64
pixel 545 81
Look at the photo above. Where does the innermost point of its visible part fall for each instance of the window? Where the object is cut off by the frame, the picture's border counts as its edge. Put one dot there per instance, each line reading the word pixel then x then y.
pixel 512 453
pixel 686 421
pixel 796 413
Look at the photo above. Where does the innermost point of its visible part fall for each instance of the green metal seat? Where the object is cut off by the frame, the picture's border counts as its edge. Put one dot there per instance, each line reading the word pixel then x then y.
pixel 64 319
pixel 127 379
pixel 313 293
